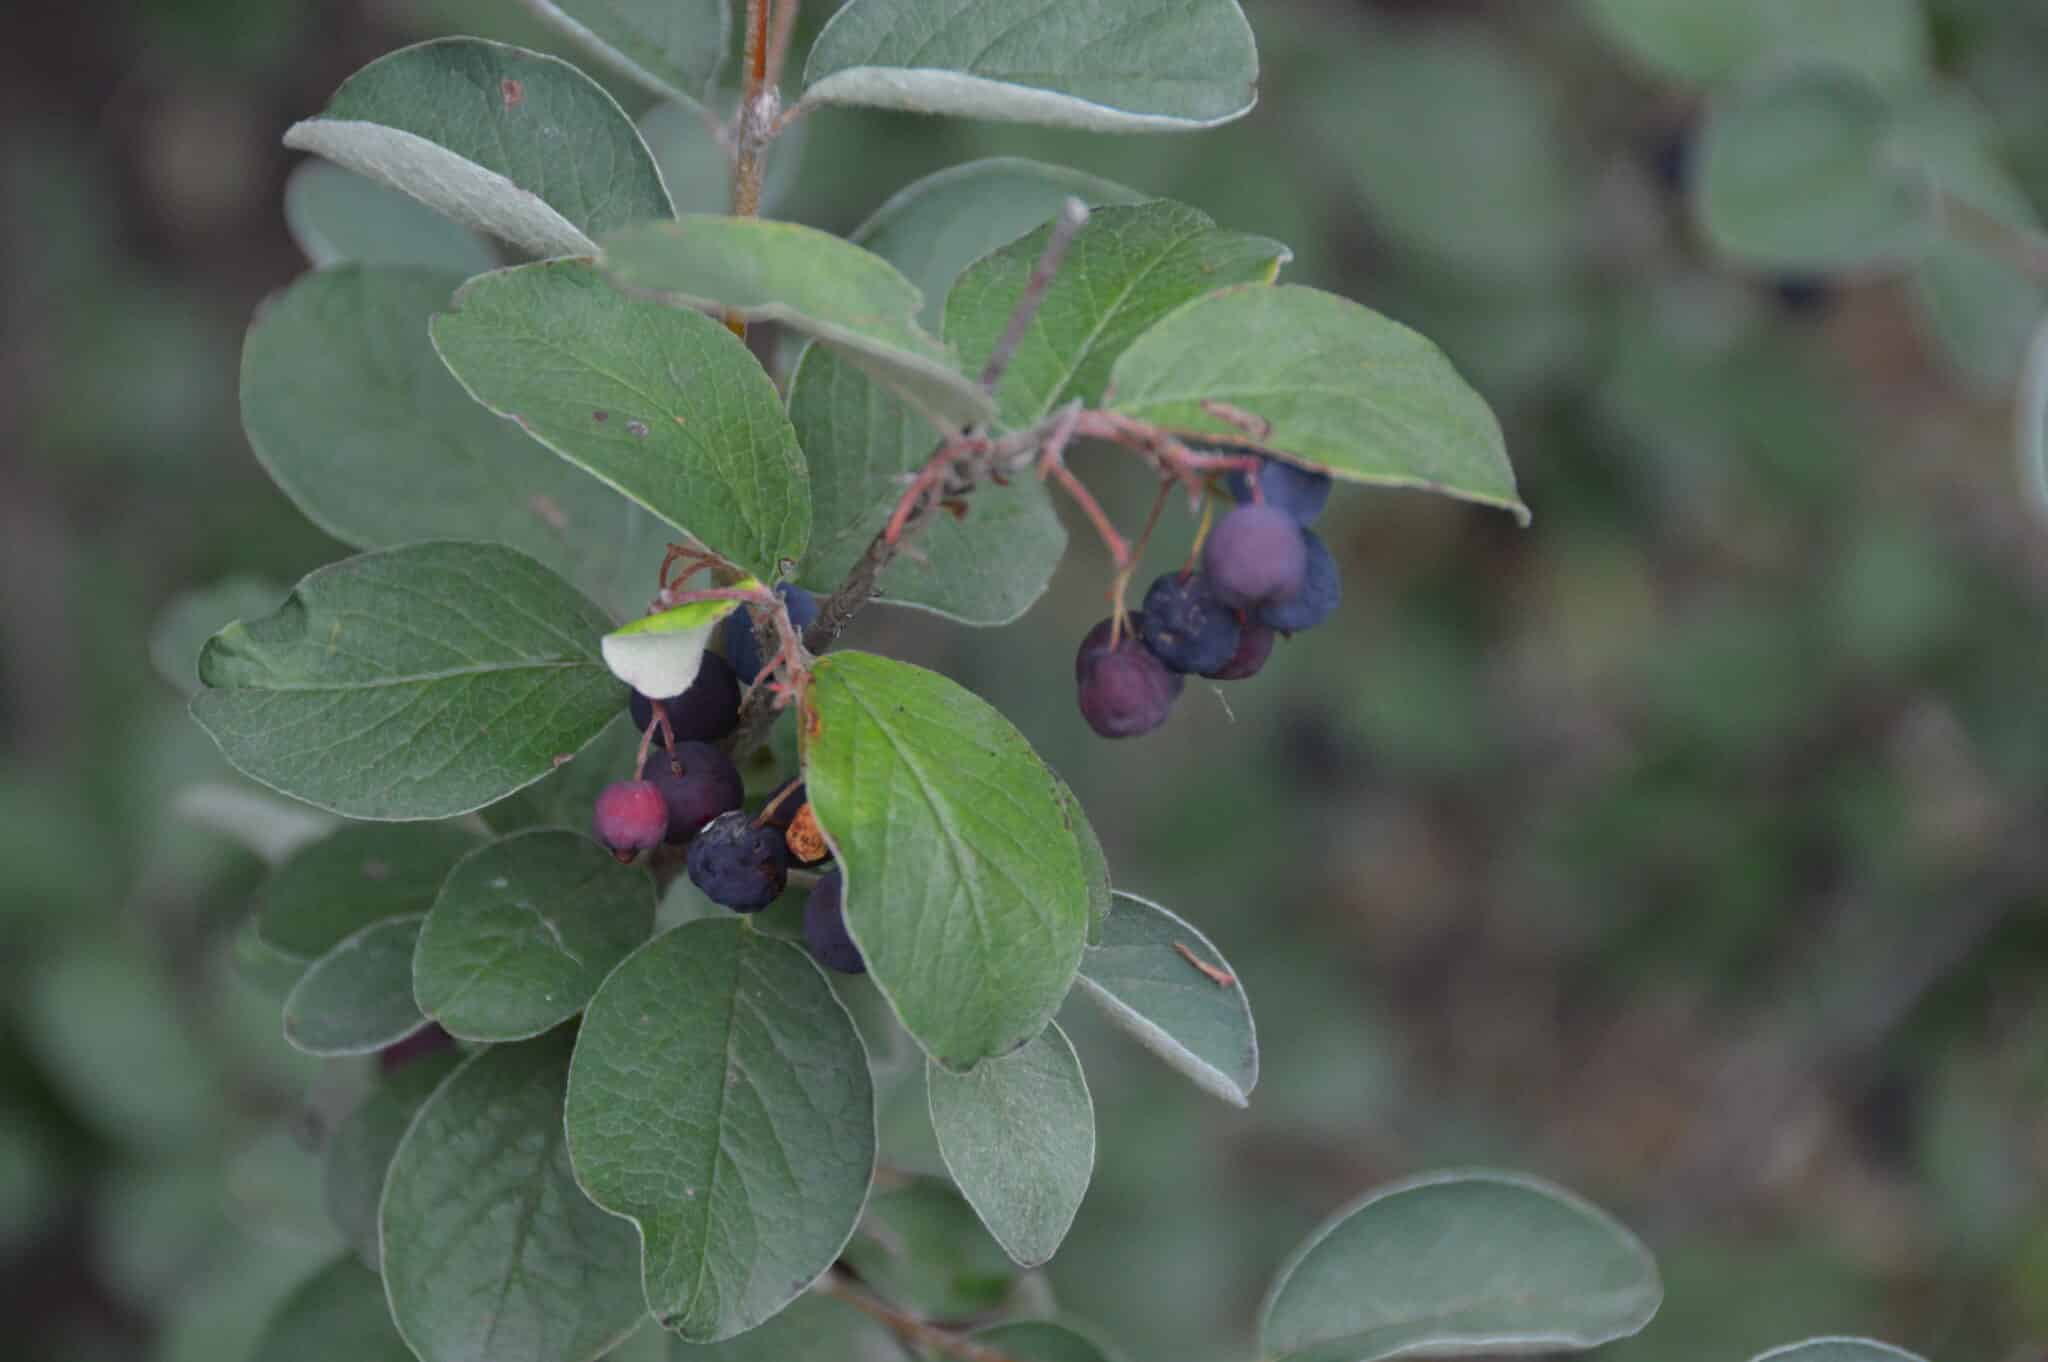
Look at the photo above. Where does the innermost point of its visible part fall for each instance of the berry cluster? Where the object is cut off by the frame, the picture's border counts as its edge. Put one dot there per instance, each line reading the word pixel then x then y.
pixel 689 793
pixel 1263 573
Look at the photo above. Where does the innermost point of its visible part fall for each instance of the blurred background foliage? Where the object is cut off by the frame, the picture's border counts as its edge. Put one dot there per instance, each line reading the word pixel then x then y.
pixel 1684 847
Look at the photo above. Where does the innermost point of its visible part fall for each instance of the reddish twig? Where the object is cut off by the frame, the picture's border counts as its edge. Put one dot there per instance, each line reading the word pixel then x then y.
pixel 906 1326
pixel 1222 978
pixel 781 32
pixel 1073 214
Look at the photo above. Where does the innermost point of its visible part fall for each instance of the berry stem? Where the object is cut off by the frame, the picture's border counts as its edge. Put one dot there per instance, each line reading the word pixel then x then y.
pixel 1201 535
pixel 905 1325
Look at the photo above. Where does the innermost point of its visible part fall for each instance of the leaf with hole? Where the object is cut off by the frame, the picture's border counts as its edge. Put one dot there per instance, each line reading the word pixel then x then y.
pixel 418 682
pixel 337 217
pixel 356 875
pixel 1110 66
pixel 664 404
pixel 963 879
pixel 358 997
pixel 359 1152
pixel 673 47
pixel 720 1099
pixel 491 1252
pixel 338 1315
pixel 518 145
pixel 1458 1264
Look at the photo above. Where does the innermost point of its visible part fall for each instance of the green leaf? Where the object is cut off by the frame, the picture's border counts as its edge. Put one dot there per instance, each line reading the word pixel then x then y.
pixel 1110 66
pixel 813 1329
pixel 1885 40
pixel 357 875
pixel 987 568
pixel 358 997
pixel 964 885
pixel 1837 1350
pixel 359 1153
pixel 356 419
pixel 662 403
pixel 1044 1340
pixel 829 289
pixel 337 217
pixel 1147 987
pixel 934 228
pixel 673 47
pixel 1018 1135
pixel 423 681
pixel 1797 172
pixel 338 1315
pixel 1457 1264
pixel 1320 381
pixel 696 164
pixel 524 931
pixel 491 1251
pixel 510 142
pixel 1127 268
pixel 921 1247
pixel 1094 865
pixel 720 1100
pixel 192 617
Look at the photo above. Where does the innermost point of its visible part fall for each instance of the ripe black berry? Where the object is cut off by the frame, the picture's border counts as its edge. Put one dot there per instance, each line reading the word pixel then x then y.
pixel 825 928
pixel 738 864
pixel 740 648
pixel 705 712
pixel 1255 555
pixel 1125 690
pixel 1318 596
pixel 1185 626
pixel 630 816
pixel 1301 492
pixel 697 783
pixel 1254 646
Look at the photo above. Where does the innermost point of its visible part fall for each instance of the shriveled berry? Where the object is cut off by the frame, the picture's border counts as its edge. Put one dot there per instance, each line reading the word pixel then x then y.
pixel 1185 626
pixel 738 864
pixel 705 712
pixel 1254 646
pixel 740 648
pixel 1125 690
pixel 807 845
pixel 697 782
pixel 825 928
pixel 1255 555
pixel 1301 492
pixel 1319 594
pixel 630 817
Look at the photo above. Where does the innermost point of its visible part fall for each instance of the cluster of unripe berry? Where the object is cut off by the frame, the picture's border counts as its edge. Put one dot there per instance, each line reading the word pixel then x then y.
pixel 690 794
pixel 1263 573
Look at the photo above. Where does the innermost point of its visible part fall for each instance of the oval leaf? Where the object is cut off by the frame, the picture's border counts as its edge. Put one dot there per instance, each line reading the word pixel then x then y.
pixel 510 142
pixel 1128 267
pixel 357 997
pixel 720 1099
pixel 963 881
pixel 673 47
pixel 356 419
pixel 1018 1135
pixel 664 404
pixel 359 1153
pixel 1044 1340
pixel 1837 1350
pixel 1110 66
pixel 524 931
pixel 1323 382
pixel 812 281
pixel 491 1251
pixel 338 1315
pixel 356 875
pixel 337 217
pixel 417 682
pixel 1456 1264
pixel 1170 1004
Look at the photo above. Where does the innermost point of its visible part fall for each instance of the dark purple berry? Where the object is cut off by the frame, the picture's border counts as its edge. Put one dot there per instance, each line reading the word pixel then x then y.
pixel 1301 492
pixel 1254 646
pixel 1255 555
pixel 1318 596
pixel 705 712
pixel 825 928
pixel 697 782
pixel 630 816
pixel 738 864
pixel 1185 626
pixel 1095 643
pixel 1125 690
pixel 740 648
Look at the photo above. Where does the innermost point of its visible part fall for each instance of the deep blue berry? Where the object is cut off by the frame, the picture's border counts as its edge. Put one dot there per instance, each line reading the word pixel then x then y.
pixel 740 648
pixel 1185 626
pixel 1125 690
pixel 1301 492
pixel 1254 646
pixel 705 712
pixel 738 864
pixel 697 782
pixel 825 928
pixel 630 816
pixel 1320 591
pixel 1255 555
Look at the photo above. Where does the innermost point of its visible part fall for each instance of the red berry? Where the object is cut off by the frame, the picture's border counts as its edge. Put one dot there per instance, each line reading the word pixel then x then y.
pixel 631 816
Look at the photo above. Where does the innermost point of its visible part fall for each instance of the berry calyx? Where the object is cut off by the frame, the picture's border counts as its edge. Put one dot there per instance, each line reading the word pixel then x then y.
pixel 1255 555
pixel 707 710
pixel 1318 597
pixel 630 817
pixel 1125 691
pixel 825 928
pixel 697 783
pixel 1185 626
pixel 1254 646
pixel 1300 492
pixel 740 648
pixel 739 864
